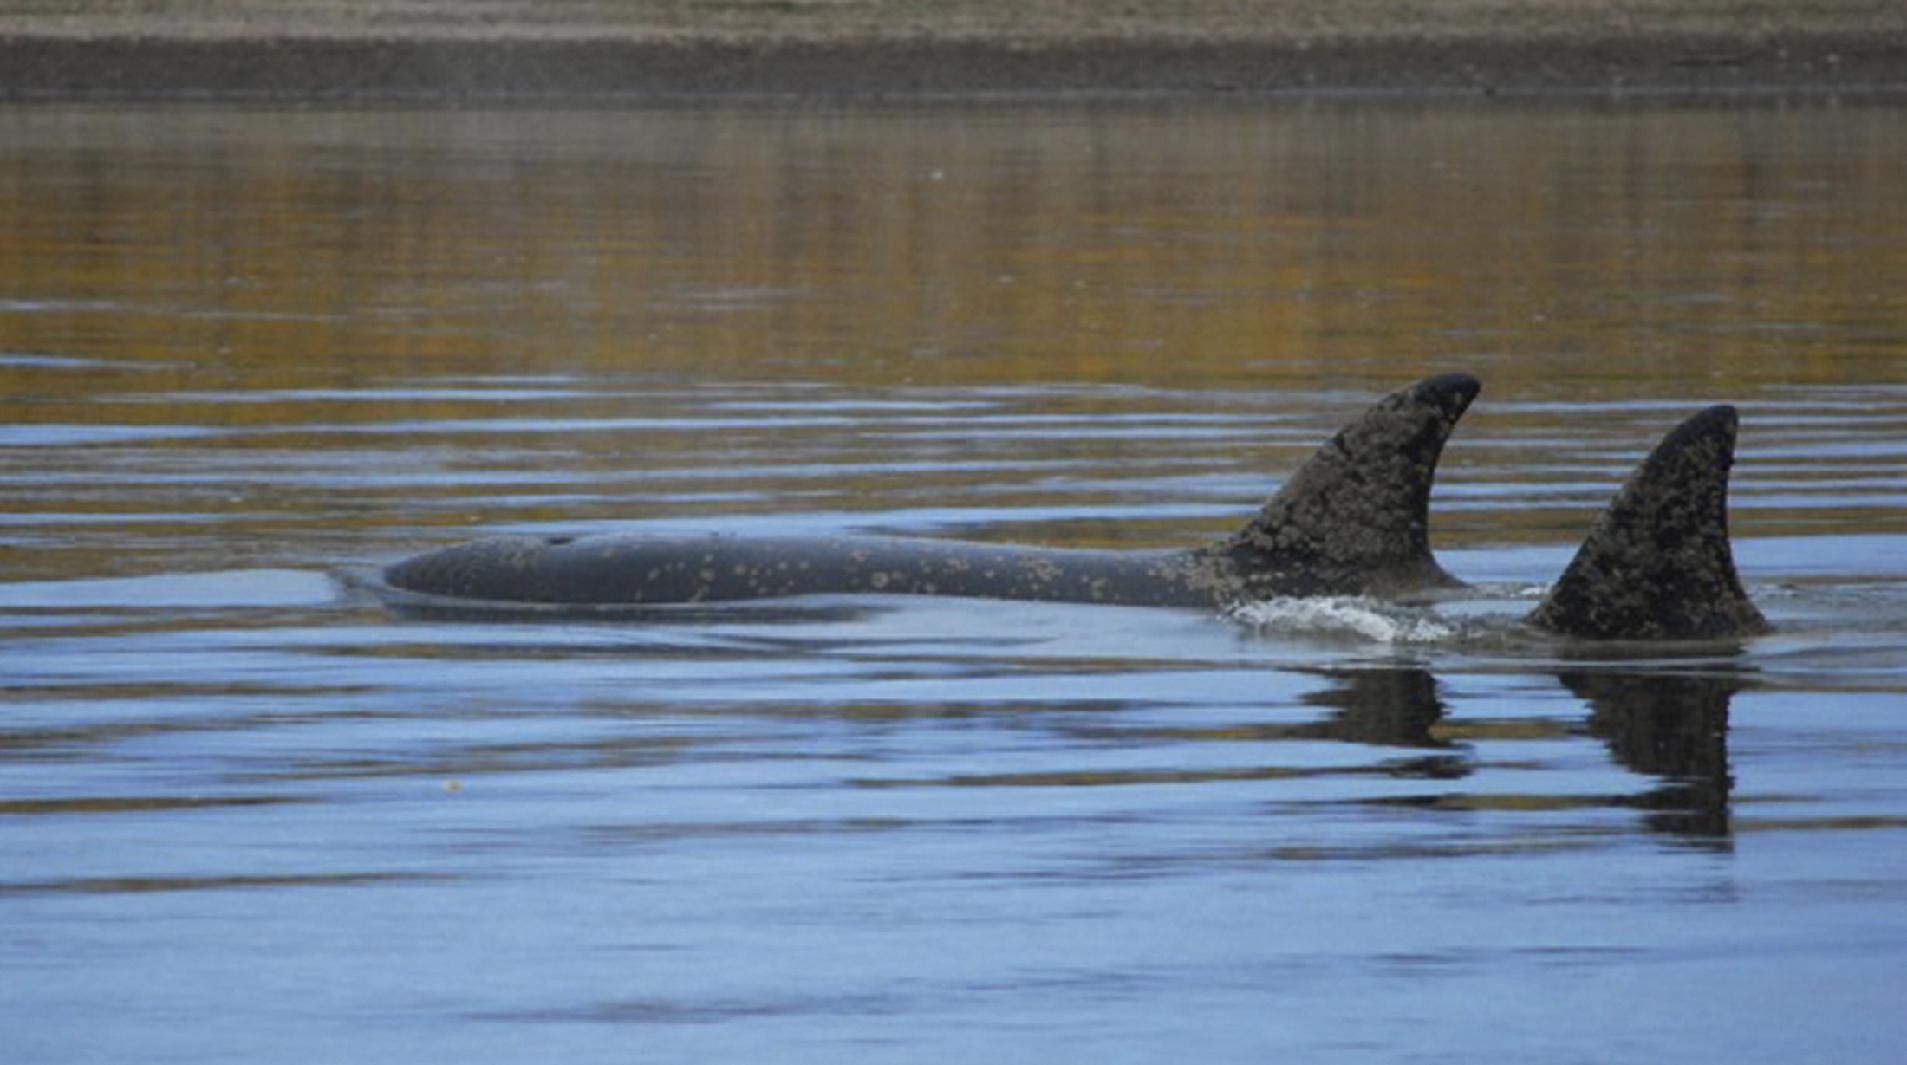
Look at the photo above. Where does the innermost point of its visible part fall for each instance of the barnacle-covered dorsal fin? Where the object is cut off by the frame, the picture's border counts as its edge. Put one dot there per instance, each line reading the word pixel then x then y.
pixel 1355 517
pixel 1657 565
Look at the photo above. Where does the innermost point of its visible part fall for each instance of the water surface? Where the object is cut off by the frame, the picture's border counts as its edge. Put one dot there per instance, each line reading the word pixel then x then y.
pixel 248 813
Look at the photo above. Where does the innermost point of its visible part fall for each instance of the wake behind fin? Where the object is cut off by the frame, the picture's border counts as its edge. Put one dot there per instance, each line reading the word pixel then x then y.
pixel 1354 519
pixel 1657 565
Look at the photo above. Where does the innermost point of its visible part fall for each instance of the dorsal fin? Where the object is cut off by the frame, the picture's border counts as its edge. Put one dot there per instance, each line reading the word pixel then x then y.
pixel 1657 564
pixel 1355 517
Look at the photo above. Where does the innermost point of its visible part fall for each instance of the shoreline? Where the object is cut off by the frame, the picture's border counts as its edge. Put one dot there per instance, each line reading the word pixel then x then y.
pixel 451 70
pixel 501 50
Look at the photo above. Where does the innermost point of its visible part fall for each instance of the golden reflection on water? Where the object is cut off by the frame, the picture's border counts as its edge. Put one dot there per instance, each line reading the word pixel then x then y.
pixel 1597 252
pixel 501 300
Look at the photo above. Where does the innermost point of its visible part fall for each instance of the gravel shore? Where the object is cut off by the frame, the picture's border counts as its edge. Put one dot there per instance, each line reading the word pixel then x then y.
pixel 523 49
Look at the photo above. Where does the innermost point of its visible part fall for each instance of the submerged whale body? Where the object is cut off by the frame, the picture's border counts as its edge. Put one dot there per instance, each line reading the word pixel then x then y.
pixel 1353 520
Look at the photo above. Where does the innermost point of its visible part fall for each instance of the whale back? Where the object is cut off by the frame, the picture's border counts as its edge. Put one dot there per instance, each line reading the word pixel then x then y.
pixel 1354 519
pixel 1657 564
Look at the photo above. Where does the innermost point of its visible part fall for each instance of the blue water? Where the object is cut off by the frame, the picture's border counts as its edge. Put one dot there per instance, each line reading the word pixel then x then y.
pixel 249 813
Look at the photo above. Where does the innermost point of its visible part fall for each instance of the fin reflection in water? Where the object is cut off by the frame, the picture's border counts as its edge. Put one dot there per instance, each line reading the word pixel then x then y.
pixel 1673 727
pixel 1670 727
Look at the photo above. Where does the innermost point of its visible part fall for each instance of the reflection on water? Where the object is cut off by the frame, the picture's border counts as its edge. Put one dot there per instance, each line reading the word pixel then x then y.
pixel 1671 727
pixel 1391 707
pixel 1580 254
pixel 1667 726
pixel 243 352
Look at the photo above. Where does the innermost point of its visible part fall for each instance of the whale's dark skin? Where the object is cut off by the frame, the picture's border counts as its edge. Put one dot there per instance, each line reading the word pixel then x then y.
pixel 1657 564
pixel 1351 521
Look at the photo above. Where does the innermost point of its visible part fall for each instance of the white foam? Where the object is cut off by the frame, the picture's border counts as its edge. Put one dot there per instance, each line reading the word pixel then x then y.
pixel 1345 616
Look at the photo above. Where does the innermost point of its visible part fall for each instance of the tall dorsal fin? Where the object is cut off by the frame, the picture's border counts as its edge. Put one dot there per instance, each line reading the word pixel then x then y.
pixel 1355 517
pixel 1657 564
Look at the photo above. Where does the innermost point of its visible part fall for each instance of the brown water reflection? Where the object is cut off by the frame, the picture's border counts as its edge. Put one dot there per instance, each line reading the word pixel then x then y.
pixel 1589 252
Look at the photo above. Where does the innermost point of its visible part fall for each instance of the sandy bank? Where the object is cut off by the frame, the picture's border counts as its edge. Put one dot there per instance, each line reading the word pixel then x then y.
pixel 394 49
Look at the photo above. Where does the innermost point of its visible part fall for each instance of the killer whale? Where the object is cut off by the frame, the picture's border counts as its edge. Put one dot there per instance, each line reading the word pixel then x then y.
pixel 1352 520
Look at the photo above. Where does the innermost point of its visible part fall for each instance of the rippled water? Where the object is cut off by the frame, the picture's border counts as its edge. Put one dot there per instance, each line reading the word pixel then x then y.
pixel 247 813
